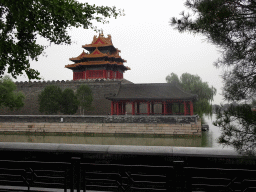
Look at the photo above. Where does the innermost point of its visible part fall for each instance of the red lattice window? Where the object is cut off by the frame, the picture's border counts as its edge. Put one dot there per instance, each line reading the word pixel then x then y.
pixel 95 74
pixel 78 75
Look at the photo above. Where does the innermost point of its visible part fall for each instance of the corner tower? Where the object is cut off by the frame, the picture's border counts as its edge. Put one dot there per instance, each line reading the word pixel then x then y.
pixel 102 61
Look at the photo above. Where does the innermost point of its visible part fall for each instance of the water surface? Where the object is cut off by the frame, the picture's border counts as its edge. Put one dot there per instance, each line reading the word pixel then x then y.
pixel 208 139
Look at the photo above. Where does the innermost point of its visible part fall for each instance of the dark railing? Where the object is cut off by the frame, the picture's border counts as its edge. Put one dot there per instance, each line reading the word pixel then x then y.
pixel 123 168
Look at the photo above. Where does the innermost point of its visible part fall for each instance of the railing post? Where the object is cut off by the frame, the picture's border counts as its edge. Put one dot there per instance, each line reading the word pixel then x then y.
pixel 76 174
pixel 179 178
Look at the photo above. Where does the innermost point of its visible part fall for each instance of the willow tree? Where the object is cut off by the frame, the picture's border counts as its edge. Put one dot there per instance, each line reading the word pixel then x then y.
pixel 23 21
pixel 229 24
pixel 194 84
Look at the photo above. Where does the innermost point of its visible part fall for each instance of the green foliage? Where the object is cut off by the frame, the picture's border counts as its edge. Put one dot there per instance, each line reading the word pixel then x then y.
pixel 85 98
pixel 50 100
pixel 173 78
pixel 69 102
pixel 238 128
pixel 231 26
pixel 195 85
pixel 8 97
pixel 22 22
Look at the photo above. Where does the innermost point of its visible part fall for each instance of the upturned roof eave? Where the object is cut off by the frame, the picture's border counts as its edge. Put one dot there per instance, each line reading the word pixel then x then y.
pixel 99 56
pixel 72 66
pixel 90 47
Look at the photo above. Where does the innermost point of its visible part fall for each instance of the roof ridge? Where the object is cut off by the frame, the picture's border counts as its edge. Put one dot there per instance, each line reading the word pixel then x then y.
pixel 158 91
pixel 120 84
pixel 105 41
pixel 98 51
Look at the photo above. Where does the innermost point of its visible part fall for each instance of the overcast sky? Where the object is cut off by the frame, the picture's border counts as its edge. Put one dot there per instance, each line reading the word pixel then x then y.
pixel 152 48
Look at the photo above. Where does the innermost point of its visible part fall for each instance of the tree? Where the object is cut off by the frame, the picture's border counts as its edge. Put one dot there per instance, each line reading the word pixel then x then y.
pixel 172 78
pixel 69 102
pixel 195 85
pixel 50 100
pixel 238 128
pixel 230 25
pixel 22 22
pixel 8 97
pixel 85 98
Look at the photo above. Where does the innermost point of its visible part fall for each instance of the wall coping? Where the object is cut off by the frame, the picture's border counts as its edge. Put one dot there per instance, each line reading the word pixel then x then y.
pixel 162 119
pixel 68 81
pixel 83 116
pixel 120 149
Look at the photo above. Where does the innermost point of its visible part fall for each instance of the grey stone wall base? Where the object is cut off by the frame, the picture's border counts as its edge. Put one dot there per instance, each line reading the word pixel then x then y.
pixel 168 119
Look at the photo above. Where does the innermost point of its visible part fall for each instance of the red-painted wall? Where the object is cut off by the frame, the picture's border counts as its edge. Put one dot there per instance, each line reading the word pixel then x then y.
pixel 78 75
pixel 97 74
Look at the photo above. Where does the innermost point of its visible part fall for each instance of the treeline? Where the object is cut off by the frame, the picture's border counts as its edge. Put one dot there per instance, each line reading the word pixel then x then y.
pixel 53 100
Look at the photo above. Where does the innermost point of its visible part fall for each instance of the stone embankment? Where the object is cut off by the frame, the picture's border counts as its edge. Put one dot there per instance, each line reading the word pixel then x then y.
pixel 104 128
pixel 150 125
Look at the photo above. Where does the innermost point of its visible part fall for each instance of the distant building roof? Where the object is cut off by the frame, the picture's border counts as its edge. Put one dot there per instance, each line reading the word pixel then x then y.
pixel 156 91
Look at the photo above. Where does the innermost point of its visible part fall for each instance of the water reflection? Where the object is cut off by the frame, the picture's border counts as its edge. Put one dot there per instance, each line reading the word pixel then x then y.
pixel 208 139
pixel 75 139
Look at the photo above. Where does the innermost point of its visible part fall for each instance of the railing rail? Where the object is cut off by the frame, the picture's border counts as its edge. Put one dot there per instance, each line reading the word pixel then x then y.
pixel 124 168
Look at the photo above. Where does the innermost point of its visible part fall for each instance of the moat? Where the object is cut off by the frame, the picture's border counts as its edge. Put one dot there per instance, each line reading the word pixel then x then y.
pixel 208 139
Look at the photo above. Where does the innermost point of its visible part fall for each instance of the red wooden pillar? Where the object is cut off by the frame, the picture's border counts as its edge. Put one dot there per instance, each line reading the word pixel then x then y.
pixel 148 111
pixel 86 74
pixel 74 76
pixel 185 107
pixel 165 108
pixel 170 109
pixel 117 108
pixel 162 108
pixel 191 108
pixel 138 107
pixel 133 108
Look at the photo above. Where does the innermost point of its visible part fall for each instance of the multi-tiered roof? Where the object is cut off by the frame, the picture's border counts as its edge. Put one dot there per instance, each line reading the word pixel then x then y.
pixel 101 61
